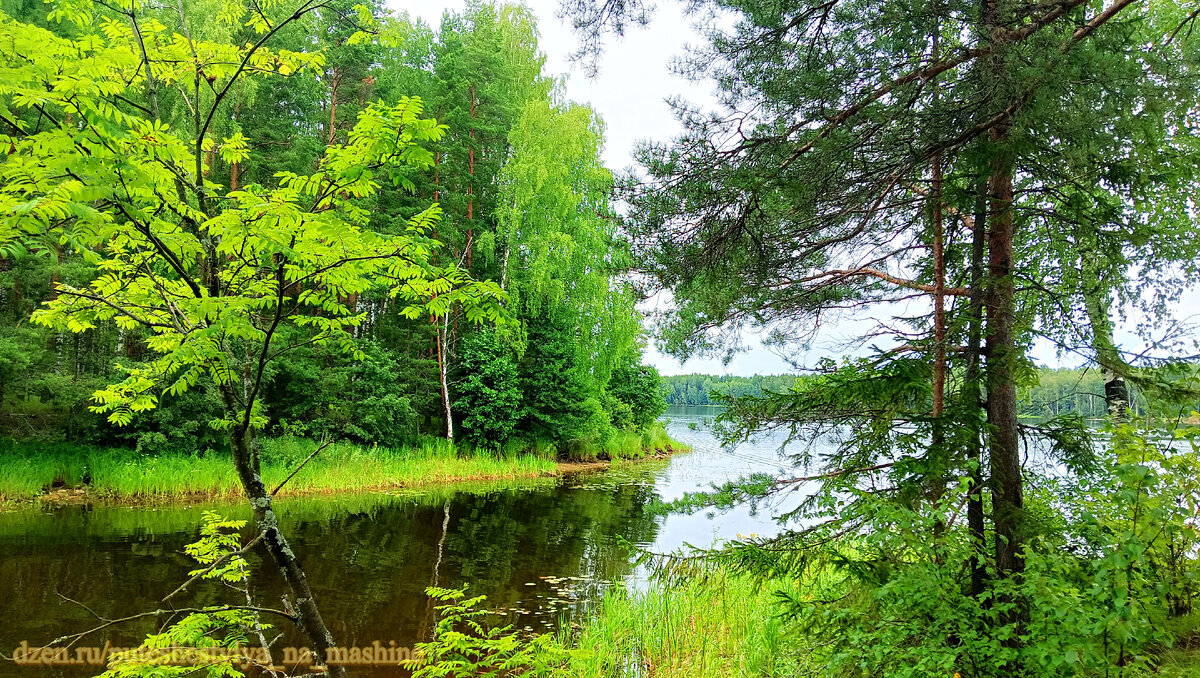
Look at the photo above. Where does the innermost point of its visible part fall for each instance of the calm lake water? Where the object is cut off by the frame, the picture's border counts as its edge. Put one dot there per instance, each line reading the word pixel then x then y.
pixel 541 551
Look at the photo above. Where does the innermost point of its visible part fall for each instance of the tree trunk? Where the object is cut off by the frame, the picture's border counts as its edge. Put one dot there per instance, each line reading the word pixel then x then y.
pixel 235 168
pixel 1001 350
pixel 5 301
pixel 1000 346
pixel 939 259
pixel 939 294
pixel 504 262
pixel 442 335
pixel 1097 304
pixel 973 397
pixel 471 180
pixel 308 617
pixel 333 88
pixel 939 451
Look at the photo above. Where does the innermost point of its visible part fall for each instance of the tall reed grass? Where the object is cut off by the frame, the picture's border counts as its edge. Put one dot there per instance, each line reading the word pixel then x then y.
pixel 624 445
pixel 716 626
pixel 28 470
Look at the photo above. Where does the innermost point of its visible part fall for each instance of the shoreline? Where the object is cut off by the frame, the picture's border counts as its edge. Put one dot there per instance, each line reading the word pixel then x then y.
pixel 418 473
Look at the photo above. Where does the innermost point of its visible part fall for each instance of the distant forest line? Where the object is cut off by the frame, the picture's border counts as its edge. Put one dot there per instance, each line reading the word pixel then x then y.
pixel 1058 391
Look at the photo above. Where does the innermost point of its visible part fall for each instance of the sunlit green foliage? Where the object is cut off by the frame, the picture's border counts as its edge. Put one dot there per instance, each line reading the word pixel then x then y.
pixel 209 643
pixel 350 170
pixel 463 645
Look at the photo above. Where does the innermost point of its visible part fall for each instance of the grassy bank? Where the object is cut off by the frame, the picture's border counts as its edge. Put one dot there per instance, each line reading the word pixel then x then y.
pixel 28 470
pixel 714 627
pixel 719 625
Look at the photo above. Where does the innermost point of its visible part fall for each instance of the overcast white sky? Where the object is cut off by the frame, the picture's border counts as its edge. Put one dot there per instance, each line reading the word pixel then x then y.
pixel 630 94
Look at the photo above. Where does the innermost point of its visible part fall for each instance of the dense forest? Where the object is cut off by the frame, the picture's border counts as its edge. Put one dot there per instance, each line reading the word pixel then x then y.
pixel 522 200
pixel 287 228
pixel 701 389
pixel 1058 391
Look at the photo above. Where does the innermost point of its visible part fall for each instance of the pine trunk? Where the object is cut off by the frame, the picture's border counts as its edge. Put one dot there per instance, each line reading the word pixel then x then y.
pixel 1002 356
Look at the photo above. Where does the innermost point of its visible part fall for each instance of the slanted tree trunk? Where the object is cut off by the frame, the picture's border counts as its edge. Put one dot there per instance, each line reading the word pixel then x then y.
pixel 308 616
pixel 1097 304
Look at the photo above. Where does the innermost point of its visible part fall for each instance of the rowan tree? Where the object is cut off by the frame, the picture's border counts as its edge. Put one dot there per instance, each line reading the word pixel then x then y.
pixel 211 274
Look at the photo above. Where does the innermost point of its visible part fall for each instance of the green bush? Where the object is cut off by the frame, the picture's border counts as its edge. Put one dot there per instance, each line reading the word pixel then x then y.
pixel 637 389
pixel 487 397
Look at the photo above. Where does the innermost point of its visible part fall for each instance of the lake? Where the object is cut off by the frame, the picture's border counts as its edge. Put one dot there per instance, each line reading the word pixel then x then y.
pixel 540 551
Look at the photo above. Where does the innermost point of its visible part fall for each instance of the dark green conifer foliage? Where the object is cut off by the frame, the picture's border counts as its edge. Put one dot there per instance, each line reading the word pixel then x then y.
pixel 562 402
pixel 487 394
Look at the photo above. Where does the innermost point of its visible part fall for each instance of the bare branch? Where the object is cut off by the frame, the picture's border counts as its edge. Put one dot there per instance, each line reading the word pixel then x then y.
pixel 293 473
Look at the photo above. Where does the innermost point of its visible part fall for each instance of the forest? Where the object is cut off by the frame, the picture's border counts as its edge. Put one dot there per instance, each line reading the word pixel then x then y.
pixel 502 181
pixel 239 236
pixel 1058 391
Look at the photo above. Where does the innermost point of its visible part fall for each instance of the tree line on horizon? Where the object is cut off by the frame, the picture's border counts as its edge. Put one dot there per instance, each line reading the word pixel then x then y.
pixel 1058 391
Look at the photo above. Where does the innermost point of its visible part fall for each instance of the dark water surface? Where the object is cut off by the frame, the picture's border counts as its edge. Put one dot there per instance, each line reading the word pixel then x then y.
pixel 540 551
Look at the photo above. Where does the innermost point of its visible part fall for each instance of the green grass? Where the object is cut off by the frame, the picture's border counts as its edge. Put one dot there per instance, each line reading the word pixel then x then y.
pixel 716 626
pixel 1180 664
pixel 29 470
pixel 1183 660
pixel 26 470
pixel 624 445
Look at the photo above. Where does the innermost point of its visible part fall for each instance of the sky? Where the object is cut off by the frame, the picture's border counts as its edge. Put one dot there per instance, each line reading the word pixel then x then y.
pixel 630 94
pixel 634 80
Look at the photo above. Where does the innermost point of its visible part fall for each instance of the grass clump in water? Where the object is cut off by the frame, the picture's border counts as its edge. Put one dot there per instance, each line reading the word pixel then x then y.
pixel 715 625
pixel 624 444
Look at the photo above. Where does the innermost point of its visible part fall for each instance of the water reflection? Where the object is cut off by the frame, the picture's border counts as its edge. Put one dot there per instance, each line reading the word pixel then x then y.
pixel 539 551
